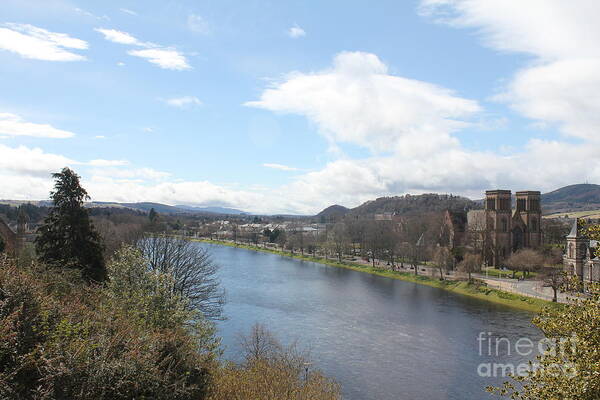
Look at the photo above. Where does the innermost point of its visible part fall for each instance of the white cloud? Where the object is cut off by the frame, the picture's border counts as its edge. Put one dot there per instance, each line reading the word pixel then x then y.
pixel 184 101
pixel 561 86
pixel 296 32
pixel 89 14
pixel 107 163
pixel 148 129
pixel 128 11
pixel 24 161
pixel 198 24
pixel 36 43
pixel 116 36
pixel 99 137
pixel 120 64
pixel 358 101
pixel 164 57
pixel 141 174
pixel 280 167
pixel 13 125
pixel 409 127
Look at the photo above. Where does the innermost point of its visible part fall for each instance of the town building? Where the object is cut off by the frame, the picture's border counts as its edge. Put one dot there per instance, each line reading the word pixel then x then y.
pixel 14 240
pixel 497 230
pixel 580 258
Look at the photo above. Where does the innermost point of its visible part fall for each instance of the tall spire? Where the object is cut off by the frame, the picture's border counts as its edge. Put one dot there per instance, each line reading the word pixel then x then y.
pixel 574 230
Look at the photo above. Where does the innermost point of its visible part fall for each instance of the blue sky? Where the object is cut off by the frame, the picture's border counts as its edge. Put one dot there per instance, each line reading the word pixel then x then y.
pixel 281 106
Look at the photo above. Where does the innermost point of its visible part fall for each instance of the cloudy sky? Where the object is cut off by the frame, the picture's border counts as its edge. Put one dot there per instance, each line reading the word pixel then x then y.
pixel 288 107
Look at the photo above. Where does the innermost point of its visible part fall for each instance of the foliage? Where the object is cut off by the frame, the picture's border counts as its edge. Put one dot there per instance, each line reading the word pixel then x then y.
pixel 2 245
pixel 61 339
pixel 593 232
pixel 572 372
pixel 271 371
pixel 67 238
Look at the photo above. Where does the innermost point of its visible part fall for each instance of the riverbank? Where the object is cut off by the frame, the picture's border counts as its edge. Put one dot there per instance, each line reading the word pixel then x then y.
pixel 464 288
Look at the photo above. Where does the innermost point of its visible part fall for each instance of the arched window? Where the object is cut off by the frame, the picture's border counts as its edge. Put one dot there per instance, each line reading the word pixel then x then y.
pixel 571 250
pixel 504 225
pixel 534 224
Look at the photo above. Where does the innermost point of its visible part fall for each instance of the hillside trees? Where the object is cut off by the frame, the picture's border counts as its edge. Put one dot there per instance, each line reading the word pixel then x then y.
pixel 67 238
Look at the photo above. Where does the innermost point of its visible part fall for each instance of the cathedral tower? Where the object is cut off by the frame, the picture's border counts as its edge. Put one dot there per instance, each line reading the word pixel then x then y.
pixel 498 210
pixel 530 211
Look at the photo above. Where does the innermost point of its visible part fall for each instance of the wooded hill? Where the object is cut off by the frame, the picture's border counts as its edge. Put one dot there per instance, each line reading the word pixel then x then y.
pixel 404 205
pixel 581 197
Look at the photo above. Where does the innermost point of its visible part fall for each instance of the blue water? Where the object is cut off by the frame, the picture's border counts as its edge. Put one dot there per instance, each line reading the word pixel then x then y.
pixel 380 338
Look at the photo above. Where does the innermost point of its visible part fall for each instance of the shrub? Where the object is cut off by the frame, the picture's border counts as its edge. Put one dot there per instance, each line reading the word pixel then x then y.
pixel 60 338
pixel 271 371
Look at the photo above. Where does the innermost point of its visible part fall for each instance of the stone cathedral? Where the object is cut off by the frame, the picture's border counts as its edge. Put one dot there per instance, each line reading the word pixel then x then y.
pixel 504 230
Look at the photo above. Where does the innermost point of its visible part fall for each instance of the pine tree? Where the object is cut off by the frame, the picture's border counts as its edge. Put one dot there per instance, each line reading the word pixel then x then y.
pixel 152 215
pixel 67 238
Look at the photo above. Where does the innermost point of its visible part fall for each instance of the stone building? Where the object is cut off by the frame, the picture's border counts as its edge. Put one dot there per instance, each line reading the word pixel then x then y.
pixel 14 241
pixel 499 230
pixel 580 258
pixel 8 237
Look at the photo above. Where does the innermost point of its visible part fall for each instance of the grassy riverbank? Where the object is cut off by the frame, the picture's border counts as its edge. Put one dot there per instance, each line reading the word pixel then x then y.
pixel 480 292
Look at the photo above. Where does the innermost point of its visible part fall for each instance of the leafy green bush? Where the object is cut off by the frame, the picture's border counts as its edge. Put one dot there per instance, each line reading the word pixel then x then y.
pixel 60 338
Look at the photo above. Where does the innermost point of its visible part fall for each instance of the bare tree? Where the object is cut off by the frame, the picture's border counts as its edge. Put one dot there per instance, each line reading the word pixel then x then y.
pixel 443 260
pixel 553 277
pixel 339 240
pixel 470 263
pixel 525 260
pixel 259 344
pixel 114 235
pixel 194 272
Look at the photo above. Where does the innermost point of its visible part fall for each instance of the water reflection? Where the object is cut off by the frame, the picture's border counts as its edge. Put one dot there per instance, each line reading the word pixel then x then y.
pixel 380 338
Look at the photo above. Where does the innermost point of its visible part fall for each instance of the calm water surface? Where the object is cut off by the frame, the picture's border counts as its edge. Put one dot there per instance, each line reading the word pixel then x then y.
pixel 379 338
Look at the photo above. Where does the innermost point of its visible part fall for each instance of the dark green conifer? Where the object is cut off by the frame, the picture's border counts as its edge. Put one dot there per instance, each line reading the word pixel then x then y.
pixel 67 238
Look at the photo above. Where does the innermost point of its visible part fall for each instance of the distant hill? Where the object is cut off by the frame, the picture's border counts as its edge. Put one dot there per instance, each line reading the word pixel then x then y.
pixel 403 205
pixel 143 206
pixel 335 211
pixel 581 197
pixel 415 204
pixel 214 210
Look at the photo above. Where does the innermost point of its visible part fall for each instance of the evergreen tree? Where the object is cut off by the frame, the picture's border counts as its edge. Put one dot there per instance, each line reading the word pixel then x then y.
pixel 67 238
pixel 2 245
pixel 152 215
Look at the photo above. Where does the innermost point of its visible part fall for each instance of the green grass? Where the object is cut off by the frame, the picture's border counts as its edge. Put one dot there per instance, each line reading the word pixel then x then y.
pixel 500 273
pixel 461 287
pixel 593 214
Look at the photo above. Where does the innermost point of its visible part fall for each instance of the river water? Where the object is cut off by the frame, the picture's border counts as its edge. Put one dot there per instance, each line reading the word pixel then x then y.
pixel 380 338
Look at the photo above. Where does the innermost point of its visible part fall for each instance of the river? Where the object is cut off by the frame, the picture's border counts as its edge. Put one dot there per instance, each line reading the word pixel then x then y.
pixel 380 338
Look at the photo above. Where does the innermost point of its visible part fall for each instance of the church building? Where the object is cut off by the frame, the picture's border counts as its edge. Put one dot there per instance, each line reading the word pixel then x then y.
pixel 501 230
pixel 580 258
